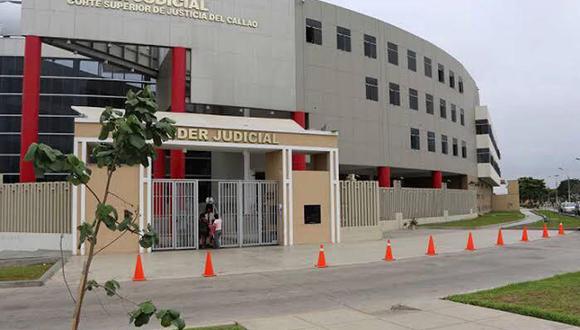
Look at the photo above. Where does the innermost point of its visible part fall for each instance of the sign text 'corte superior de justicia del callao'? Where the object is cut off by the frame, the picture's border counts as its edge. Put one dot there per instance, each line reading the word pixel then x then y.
pixel 195 9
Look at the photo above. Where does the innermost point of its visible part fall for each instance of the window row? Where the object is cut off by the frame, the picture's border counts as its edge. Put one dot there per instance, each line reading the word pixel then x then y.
pixel 13 84
pixel 393 58
pixel 432 143
pixel 372 93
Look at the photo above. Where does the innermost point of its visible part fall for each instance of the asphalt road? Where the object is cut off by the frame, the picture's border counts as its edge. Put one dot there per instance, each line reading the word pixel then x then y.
pixel 280 293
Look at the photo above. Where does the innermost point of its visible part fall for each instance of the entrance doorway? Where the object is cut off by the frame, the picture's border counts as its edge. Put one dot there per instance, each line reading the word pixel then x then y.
pixel 250 211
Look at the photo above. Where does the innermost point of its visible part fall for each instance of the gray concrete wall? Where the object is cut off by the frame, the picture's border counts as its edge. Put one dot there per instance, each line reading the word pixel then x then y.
pixel 231 64
pixel 376 133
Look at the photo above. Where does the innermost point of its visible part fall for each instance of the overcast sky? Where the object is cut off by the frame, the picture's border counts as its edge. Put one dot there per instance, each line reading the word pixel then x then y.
pixel 524 56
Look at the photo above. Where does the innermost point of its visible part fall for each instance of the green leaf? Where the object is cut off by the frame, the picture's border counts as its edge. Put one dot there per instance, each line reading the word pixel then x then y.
pixel 149 238
pixel 92 284
pixel 111 287
pixel 108 215
pixel 86 233
pixel 142 314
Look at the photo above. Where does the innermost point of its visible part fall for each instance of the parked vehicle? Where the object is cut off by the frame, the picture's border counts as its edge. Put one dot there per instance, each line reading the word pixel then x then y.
pixel 568 208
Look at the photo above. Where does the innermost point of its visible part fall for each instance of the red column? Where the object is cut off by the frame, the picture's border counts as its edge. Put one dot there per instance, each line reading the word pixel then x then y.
pixel 384 174
pixel 178 72
pixel 299 160
pixel 437 177
pixel 159 164
pixel 30 103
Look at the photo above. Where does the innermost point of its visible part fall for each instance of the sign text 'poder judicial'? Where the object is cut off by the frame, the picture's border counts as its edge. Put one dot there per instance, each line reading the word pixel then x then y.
pixel 226 136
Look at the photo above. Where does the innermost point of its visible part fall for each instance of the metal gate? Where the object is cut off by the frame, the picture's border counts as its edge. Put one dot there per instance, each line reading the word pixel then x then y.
pixel 175 214
pixel 249 212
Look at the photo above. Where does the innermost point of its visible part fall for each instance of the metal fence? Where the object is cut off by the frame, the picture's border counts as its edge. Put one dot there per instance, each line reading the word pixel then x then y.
pixel 35 208
pixel 248 209
pixel 359 201
pixel 425 203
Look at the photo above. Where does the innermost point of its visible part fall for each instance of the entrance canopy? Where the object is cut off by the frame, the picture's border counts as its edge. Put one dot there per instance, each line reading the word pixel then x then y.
pixel 309 206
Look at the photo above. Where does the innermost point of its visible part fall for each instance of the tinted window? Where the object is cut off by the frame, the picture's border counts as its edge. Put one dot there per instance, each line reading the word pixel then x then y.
pixel 462 117
pixel 313 32
pixel 370 46
pixel 372 89
pixel 451 79
pixel 343 39
pixel 455 148
pixel 463 149
pixel 412 60
pixel 453 113
pixel 415 139
pixel 429 103
pixel 413 99
pixel 443 108
pixel 441 73
pixel 428 66
pixel 394 94
pixel 431 141
pixel 393 53
pixel 444 145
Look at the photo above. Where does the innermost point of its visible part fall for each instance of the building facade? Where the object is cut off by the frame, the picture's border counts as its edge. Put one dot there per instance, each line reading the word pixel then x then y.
pixel 404 108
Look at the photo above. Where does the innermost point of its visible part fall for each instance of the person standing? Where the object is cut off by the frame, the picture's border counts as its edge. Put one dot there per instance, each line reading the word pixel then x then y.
pixel 203 230
pixel 217 237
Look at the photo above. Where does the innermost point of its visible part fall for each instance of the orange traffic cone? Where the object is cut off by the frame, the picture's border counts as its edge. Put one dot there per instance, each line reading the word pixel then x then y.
pixel 499 238
pixel 561 230
pixel 139 274
pixel 546 234
pixel 321 258
pixel 525 234
pixel 431 247
pixel 470 244
pixel 389 253
pixel 208 272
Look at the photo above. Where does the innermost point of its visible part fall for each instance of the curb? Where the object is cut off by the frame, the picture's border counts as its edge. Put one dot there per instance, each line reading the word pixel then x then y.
pixel 34 283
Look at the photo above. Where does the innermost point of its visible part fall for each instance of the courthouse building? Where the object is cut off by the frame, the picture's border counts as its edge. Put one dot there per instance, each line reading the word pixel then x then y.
pixel 295 93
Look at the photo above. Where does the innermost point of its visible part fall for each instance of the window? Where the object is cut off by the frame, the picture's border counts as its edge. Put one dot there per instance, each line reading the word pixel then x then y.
pixel 428 64
pixel 394 94
pixel 370 46
pixel 462 117
pixel 413 99
pixel 443 108
pixel 393 53
pixel 460 85
pixel 313 32
pixel 453 113
pixel 372 86
pixel 343 39
pixel 463 149
pixel 415 139
pixel 455 147
pixel 431 141
pixel 312 215
pixel 429 103
pixel 451 79
pixel 412 60
pixel 444 145
pixel 441 72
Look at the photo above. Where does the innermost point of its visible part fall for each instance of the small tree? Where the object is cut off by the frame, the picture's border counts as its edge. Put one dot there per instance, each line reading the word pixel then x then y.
pixel 133 135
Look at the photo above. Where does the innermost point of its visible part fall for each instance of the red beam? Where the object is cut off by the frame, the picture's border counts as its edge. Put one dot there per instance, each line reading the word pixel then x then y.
pixel 299 160
pixel 178 78
pixel 384 174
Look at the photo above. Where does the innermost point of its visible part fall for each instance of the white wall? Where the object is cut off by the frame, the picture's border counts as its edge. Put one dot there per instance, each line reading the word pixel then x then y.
pixel 33 242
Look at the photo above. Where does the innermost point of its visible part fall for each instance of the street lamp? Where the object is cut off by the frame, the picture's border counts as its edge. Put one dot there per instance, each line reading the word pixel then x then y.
pixel 556 176
pixel 568 177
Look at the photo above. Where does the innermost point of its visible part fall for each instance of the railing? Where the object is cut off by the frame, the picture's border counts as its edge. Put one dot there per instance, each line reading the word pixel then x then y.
pixel 359 203
pixel 425 203
pixel 35 207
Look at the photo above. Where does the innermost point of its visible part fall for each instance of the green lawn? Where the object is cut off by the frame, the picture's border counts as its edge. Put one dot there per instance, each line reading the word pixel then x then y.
pixel 492 218
pixel 554 220
pixel 556 298
pixel 23 273
pixel 221 327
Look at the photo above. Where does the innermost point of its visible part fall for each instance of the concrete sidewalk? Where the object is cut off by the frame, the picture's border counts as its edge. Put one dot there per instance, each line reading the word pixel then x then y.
pixel 189 264
pixel 419 315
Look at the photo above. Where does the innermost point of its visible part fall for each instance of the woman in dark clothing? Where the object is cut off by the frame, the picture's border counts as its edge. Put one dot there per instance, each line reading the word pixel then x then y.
pixel 205 220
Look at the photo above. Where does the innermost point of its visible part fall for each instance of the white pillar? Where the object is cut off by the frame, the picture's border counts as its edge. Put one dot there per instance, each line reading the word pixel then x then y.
pixel 247 165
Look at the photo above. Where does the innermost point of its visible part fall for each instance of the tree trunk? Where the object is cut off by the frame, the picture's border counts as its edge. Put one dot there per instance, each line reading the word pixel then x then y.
pixel 82 288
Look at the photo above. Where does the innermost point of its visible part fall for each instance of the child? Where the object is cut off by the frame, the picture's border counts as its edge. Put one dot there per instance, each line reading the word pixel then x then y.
pixel 217 237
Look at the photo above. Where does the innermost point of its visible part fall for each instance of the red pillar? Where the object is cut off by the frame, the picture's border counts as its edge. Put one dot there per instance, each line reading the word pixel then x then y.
pixel 178 72
pixel 299 160
pixel 159 164
pixel 30 103
pixel 437 177
pixel 384 174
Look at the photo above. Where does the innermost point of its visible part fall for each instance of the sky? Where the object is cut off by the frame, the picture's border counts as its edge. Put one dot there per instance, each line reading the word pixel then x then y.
pixel 525 58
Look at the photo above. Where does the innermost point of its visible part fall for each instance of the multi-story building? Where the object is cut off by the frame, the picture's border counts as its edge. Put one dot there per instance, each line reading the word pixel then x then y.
pixel 404 108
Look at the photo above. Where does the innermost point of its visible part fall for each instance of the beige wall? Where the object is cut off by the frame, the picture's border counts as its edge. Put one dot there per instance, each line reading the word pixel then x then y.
pixel 275 172
pixel 311 188
pixel 510 201
pixel 125 184
pixel 484 196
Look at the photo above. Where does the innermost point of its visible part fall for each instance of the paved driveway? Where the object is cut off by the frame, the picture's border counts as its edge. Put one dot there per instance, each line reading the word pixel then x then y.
pixel 367 288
